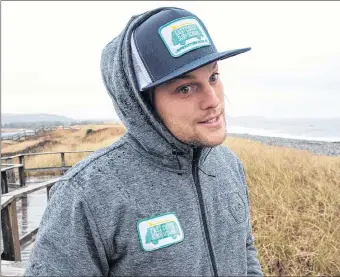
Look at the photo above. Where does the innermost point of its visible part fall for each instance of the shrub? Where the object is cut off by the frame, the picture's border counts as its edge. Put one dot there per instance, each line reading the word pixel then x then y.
pixel 89 131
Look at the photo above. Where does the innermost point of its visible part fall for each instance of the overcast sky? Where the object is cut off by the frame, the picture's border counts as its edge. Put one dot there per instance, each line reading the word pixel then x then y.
pixel 50 55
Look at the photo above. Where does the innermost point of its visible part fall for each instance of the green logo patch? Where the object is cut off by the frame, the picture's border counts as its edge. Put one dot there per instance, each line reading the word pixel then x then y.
pixel 183 35
pixel 159 231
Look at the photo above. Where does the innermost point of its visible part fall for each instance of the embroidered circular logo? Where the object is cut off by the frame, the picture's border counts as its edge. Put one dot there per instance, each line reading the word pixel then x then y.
pixel 237 207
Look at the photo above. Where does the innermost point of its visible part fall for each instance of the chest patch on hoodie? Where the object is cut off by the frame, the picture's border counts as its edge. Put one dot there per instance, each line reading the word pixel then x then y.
pixel 159 231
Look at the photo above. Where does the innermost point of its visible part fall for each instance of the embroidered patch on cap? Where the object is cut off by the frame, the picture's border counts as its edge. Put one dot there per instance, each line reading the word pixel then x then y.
pixel 159 231
pixel 183 35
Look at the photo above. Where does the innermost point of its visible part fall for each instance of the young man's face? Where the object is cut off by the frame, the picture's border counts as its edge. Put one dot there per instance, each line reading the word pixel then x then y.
pixel 188 102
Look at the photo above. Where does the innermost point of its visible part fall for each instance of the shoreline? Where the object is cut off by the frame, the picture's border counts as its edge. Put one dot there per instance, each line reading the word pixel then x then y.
pixel 325 148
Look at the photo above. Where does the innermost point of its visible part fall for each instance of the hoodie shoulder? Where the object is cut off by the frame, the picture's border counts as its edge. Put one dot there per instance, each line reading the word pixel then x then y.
pixel 231 161
pixel 228 154
pixel 93 160
pixel 94 172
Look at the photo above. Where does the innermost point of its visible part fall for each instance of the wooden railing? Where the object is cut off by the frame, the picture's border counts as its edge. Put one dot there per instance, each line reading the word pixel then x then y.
pixel 7 171
pixel 9 223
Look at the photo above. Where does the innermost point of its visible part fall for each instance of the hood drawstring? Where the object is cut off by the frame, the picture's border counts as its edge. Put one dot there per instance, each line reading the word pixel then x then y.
pixel 178 153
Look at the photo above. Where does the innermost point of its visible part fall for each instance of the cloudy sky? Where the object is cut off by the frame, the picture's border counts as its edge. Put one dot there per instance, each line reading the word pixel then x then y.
pixel 50 53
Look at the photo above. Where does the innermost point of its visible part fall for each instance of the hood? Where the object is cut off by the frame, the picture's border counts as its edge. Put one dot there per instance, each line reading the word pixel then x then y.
pixel 146 133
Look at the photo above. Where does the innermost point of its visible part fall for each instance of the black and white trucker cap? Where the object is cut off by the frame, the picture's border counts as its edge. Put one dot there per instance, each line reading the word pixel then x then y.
pixel 171 43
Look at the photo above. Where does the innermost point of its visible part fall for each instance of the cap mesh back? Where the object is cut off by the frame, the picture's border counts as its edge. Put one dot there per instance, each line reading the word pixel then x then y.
pixel 142 75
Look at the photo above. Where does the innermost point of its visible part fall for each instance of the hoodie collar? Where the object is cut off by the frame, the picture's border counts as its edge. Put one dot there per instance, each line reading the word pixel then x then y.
pixel 170 159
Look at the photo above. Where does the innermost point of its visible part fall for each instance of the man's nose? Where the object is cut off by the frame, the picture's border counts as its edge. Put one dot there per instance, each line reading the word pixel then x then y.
pixel 209 98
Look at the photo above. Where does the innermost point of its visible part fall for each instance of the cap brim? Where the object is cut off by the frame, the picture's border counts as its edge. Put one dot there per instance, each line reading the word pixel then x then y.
pixel 196 64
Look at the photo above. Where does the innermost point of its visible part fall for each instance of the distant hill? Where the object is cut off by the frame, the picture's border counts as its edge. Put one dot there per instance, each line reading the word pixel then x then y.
pixel 33 118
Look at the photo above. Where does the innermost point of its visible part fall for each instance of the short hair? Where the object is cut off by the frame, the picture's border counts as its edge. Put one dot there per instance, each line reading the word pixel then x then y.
pixel 149 98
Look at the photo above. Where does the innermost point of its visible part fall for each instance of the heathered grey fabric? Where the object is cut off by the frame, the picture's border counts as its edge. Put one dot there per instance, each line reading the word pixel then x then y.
pixel 90 225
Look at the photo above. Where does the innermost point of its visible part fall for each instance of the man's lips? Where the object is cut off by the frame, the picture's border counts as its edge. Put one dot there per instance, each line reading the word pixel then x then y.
pixel 211 119
pixel 213 122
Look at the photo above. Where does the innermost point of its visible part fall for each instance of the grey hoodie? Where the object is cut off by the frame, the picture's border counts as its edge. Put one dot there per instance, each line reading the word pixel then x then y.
pixel 148 204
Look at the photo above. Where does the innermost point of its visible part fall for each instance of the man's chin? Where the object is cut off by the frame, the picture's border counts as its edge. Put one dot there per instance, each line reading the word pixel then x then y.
pixel 215 139
pixel 212 143
pixel 208 141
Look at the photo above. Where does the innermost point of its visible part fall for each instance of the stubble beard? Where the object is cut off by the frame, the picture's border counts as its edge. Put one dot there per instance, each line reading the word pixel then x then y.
pixel 201 142
pixel 193 142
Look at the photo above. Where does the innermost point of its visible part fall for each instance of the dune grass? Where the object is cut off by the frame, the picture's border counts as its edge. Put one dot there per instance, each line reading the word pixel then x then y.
pixel 295 208
pixel 62 140
pixel 295 196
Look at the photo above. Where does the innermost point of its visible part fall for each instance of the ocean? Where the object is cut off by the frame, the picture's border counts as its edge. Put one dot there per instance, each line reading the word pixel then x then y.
pixel 324 129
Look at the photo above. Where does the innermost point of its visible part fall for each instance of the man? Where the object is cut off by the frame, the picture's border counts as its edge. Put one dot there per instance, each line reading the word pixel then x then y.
pixel 167 198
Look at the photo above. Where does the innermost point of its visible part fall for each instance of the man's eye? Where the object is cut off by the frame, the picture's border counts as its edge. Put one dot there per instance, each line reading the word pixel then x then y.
pixel 214 77
pixel 184 89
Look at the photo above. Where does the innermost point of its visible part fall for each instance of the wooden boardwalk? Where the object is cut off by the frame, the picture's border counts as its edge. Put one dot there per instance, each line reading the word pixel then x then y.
pixel 14 249
pixel 13 245
pixel 12 268
pixel 16 268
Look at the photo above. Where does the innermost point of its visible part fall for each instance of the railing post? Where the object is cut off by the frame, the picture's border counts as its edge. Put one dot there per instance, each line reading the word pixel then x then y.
pixel 22 178
pixel 10 173
pixel 4 184
pixel 62 162
pixel 10 233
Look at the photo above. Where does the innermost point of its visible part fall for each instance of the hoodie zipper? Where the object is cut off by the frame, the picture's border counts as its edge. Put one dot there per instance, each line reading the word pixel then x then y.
pixel 195 163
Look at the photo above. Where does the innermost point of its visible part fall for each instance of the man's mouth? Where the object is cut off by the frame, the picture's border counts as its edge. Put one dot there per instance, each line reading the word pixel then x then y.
pixel 213 122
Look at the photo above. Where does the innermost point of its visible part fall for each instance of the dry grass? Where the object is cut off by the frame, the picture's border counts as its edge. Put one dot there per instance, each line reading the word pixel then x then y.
pixel 295 196
pixel 62 140
pixel 295 202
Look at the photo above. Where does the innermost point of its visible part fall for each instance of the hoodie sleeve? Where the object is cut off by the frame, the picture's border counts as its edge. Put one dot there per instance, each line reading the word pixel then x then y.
pixel 253 264
pixel 68 242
